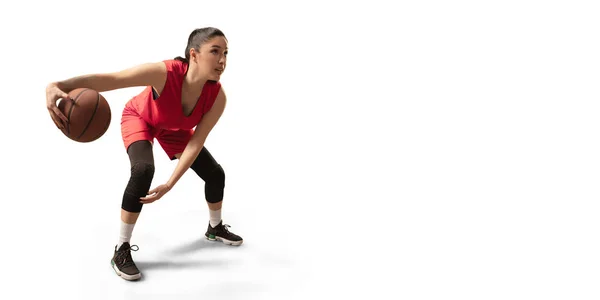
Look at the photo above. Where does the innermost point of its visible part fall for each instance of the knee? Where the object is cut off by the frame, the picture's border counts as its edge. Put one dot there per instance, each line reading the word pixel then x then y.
pixel 216 176
pixel 142 172
pixel 138 186
pixel 215 184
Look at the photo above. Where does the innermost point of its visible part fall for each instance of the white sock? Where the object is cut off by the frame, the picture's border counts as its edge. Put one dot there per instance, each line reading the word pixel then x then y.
pixel 125 233
pixel 215 217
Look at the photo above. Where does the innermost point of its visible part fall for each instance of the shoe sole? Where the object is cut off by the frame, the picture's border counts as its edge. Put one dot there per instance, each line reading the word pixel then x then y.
pixel 224 241
pixel 123 275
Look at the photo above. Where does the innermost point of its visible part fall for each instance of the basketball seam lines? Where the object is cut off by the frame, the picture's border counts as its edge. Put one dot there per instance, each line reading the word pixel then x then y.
pixel 102 132
pixel 91 118
pixel 71 110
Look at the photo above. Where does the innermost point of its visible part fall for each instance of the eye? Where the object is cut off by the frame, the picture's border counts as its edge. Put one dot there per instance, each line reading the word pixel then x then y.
pixel 226 52
pixel 214 51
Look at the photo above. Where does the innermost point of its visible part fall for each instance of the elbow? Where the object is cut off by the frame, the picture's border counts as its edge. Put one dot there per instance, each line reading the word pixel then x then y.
pixel 196 145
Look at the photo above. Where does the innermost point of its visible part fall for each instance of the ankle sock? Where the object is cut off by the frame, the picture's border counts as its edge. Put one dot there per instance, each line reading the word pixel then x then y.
pixel 215 217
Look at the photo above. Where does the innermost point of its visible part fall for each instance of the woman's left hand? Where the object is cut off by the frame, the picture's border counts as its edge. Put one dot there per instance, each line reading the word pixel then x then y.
pixel 155 193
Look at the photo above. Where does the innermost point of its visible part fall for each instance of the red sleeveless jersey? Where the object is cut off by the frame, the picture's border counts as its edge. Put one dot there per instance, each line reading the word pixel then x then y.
pixel 166 112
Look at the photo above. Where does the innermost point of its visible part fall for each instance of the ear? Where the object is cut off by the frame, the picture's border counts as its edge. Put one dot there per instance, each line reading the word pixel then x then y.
pixel 193 54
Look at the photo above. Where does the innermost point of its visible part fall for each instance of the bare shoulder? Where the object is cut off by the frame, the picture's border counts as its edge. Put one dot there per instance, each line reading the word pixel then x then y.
pixel 220 101
pixel 215 112
pixel 221 96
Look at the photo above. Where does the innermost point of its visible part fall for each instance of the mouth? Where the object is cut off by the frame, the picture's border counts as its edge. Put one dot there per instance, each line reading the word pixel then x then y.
pixel 219 71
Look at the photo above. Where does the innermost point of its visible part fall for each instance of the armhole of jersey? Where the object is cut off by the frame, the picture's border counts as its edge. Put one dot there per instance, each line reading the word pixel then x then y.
pixel 169 64
pixel 216 89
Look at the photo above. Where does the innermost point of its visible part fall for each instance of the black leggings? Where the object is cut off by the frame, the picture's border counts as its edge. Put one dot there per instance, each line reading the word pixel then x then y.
pixel 142 173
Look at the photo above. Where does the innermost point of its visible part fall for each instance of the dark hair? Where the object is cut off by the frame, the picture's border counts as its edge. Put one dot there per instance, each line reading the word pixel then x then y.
pixel 197 38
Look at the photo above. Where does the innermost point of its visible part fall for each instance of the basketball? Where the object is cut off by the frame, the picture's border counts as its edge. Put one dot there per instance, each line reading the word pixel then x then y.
pixel 88 113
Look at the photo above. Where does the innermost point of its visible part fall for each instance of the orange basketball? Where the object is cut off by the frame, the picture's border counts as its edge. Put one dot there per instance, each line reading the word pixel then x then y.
pixel 88 113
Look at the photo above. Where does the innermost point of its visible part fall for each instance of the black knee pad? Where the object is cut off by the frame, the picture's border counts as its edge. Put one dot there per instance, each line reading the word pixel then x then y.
pixel 215 185
pixel 138 186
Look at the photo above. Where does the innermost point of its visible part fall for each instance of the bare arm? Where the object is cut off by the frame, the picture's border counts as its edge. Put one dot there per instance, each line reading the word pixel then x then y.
pixel 153 74
pixel 196 143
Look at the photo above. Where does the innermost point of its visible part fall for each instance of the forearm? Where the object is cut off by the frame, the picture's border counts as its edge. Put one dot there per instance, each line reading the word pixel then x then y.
pixel 97 82
pixel 186 160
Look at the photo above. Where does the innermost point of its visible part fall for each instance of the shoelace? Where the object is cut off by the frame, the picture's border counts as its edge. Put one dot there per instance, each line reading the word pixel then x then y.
pixel 225 226
pixel 125 256
pixel 228 233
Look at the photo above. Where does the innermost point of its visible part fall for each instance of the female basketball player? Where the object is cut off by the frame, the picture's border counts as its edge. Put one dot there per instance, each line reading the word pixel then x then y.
pixel 180 94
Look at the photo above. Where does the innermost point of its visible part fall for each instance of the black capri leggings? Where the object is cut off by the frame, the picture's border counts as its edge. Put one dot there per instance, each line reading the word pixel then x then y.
pixel 142 173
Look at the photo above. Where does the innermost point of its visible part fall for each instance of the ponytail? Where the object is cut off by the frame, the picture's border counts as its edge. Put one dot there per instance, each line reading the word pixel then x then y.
pixel 183 59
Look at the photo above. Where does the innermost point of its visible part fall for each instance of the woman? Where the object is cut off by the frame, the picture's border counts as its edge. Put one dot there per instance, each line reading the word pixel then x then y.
pixel 180 94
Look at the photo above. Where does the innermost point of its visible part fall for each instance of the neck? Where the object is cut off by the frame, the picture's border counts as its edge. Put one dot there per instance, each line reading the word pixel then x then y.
pixel 194 82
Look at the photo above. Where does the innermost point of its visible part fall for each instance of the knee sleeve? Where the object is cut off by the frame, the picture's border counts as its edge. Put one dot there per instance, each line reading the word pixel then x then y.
pixel 214 185
pixel 138 186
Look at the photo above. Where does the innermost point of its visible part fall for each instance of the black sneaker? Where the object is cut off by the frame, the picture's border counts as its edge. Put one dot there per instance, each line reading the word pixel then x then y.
pixel 221 233
pixel 123 264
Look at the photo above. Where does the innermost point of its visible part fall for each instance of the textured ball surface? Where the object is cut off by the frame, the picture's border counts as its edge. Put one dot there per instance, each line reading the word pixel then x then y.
pixel 88 113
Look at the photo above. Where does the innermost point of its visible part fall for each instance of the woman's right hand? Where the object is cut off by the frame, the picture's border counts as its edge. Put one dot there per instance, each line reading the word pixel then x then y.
pixel 53 93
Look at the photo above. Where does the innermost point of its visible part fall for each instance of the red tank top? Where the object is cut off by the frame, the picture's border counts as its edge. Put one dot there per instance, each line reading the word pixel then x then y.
pixel 166 111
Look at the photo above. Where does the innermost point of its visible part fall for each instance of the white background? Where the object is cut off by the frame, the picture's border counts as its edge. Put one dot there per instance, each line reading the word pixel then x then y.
pixel 427 150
